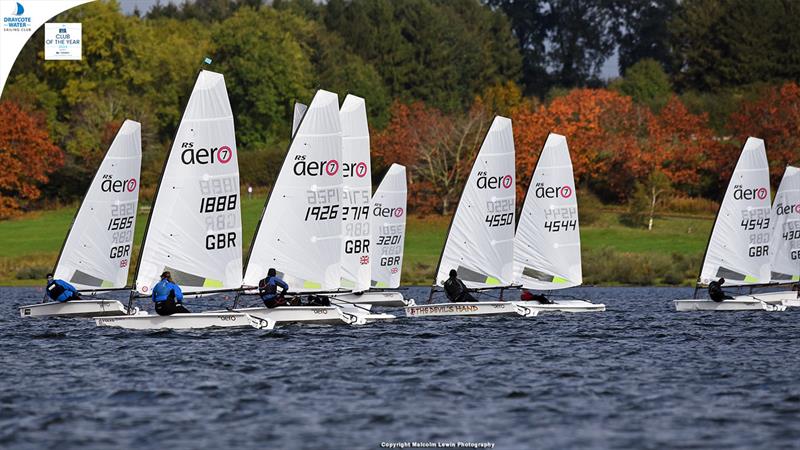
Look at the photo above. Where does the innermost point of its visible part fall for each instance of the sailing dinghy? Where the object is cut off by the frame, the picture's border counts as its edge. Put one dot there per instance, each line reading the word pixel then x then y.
pixel 547 245
pixel 738 249
pixel 96 253
pixel 195 225
pixel 300 231
pixel 785 245
pixel 480 241
pixel 358 215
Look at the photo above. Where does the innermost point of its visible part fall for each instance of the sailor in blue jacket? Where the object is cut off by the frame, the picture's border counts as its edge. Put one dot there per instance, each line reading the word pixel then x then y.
pixel 60 290
pixel 168 296
pixel 268 290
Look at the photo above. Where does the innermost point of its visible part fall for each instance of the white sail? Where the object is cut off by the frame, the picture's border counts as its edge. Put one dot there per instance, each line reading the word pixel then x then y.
pixel 547 246
pixel 299 112
pixel 195 227
pixel 356 195
pixel 738 249
pixel 97 251
pixel 480 245
pixel 784 249
pixel 388 218
pixel 300 233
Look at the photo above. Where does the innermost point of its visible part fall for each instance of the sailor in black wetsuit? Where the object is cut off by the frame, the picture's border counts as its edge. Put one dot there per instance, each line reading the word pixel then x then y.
pixel 715 291
pixel 60 290
pixel 456 290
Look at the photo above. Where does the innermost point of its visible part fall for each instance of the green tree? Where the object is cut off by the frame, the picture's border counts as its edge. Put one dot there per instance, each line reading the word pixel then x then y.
pixel 735 42
pixel 266 68
pixel 436 51
pixel 647 83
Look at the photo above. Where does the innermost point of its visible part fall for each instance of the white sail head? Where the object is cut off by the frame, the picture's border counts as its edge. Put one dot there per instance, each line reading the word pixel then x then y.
pixel 297 117
pixel 784 249
pixel 195 228
pixel 738 248
pixel 388 217
pixel 97 251
pixel 480 245
pixel 356 195
pixel 300 233
pixel 547 245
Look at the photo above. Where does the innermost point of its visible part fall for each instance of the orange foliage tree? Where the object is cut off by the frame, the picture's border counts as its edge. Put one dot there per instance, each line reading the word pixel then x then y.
pixel 27 156
pixel 613 142
pixel 437 150
pixel 774 117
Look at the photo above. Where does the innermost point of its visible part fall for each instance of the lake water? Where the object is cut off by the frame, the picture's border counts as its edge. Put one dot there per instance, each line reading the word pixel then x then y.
pixel 637 376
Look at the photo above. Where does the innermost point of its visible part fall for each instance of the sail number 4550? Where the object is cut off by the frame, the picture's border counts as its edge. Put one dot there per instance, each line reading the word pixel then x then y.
pixel 499 220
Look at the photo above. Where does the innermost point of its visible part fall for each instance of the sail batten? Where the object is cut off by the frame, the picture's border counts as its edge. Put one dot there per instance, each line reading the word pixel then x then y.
pixel 479 245
pixel 195 229
pixel 300 233
pixel 547 250
pixel 97 251
pixel 738 249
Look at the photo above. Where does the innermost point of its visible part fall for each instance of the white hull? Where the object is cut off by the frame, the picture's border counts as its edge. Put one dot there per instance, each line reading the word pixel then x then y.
pixel 377 298
pixel 737 304
pixel 470 309
pixel 75 308
pixel 564 306
pixel 320 315
pixel 793 303
pixel 186 321
pixel 766 301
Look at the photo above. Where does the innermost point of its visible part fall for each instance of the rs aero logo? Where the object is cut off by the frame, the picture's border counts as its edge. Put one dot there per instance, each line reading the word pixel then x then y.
pixel 487 182
pixel 202 156
pixel 316 168
pixel 740 193
pixel 543 191
pixel 358 169
pixel 379 211
pixel 782 209
pixel 109 184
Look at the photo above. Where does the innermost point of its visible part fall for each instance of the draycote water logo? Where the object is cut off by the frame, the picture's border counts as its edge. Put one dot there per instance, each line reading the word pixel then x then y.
pixel 543 191
pixel 358 169
pixel 17 21
pixel 740 193
pixel 379 211
pixel 488 182
pixel 213 155
pixel 316 168
pixel 109 184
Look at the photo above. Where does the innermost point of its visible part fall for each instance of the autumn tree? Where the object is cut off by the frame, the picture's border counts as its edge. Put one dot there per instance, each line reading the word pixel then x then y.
pixel 775 117
pixel 27 156
pixel 438 150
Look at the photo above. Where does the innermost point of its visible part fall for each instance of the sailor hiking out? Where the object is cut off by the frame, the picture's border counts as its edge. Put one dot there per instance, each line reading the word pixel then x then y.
pixel 715 291
pixel 527 295
pixel 268 290
pixel 168 297
pixel 456 290
pixel 60 290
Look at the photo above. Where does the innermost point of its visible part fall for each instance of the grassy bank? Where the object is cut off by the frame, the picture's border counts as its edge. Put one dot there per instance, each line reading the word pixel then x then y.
pixel 612 253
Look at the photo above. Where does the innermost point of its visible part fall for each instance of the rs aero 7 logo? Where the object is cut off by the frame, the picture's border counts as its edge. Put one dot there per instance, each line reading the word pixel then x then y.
pixel 316 168
pixel 202 156
pixel 741 193
pixel 485 181
pixel 109 184
pixel 380 211
pixel 543 191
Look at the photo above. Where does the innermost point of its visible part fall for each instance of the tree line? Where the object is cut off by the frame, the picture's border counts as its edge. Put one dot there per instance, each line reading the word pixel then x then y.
pixel 698 76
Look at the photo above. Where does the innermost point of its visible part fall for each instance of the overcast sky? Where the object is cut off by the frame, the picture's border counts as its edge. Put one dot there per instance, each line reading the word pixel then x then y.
pixel 610 69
